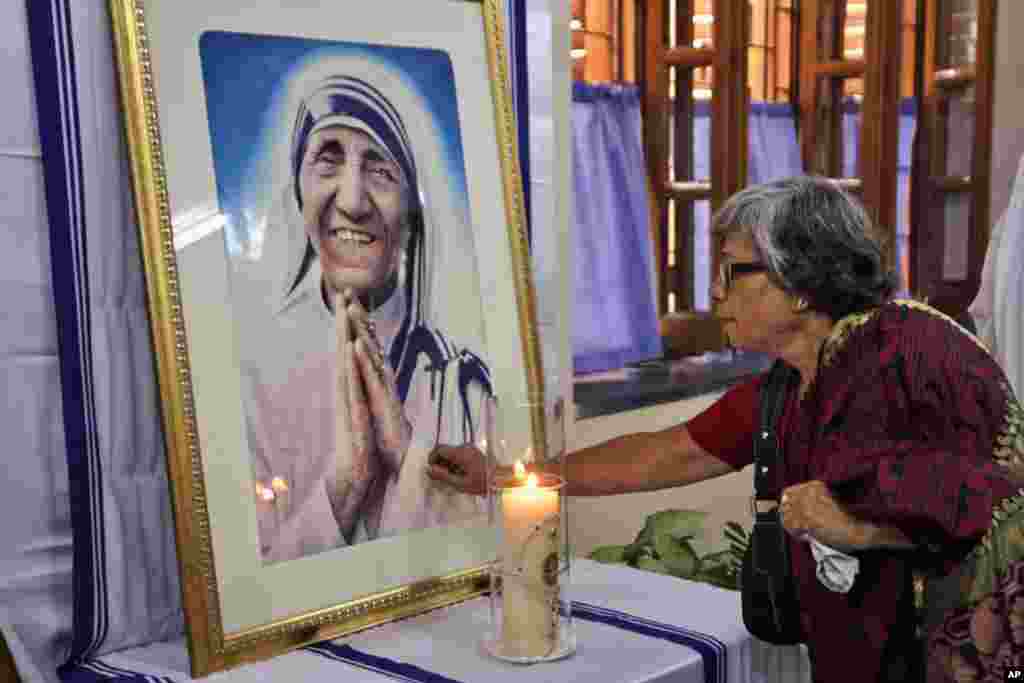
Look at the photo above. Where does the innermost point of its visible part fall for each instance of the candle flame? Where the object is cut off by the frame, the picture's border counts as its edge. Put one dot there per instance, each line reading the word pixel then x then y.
pixel 531 481
pixel 278 485
pixel 520 470
pixel 265 492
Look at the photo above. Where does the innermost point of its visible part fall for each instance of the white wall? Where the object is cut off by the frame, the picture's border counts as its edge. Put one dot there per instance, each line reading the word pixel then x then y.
pixel 616 520
pixel 1008 115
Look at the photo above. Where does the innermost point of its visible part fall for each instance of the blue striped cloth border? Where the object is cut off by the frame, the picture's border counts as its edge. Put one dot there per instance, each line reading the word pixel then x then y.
pixel 56 83
pixel 382 665
pixel 98 671
pixel 711 650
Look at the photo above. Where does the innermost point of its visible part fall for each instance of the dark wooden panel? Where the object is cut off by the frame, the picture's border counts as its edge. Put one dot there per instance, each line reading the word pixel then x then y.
pixel 880 128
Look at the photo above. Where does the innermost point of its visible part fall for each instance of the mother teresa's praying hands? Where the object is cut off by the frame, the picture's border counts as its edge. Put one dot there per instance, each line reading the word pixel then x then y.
pixel 377 415
pixel 373 433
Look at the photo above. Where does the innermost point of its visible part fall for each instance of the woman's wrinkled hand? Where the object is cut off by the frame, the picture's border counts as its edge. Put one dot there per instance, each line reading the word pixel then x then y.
pixel 809 510
pixel 461 467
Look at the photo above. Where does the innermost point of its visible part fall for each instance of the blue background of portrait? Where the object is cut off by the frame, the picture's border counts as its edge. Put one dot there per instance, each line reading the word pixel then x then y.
pixel 243 75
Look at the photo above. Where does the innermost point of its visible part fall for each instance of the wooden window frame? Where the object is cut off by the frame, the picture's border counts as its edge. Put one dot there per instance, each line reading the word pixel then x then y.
pixel 819 72
pixel 823 70
pixel 932 183
pixel 728 148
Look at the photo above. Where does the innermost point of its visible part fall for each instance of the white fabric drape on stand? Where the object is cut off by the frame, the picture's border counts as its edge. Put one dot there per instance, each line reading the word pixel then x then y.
pixel 125 573
pixel 997 307
pixel 35 525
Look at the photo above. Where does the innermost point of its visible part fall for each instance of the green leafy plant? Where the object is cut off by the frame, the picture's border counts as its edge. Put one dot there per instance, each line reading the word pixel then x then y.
pixel 664 546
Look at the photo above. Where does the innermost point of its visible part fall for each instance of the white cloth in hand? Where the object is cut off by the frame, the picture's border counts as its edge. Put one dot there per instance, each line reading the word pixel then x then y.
pixel 836 570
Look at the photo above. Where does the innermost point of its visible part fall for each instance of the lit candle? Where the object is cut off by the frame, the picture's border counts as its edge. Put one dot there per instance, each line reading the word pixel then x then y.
pixel 530 555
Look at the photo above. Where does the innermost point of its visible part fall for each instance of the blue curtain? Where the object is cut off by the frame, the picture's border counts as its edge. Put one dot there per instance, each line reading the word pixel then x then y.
pixel 615 321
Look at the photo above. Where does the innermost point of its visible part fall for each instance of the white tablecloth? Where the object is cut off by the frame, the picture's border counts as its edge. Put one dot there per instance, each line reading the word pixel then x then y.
pixel 445 645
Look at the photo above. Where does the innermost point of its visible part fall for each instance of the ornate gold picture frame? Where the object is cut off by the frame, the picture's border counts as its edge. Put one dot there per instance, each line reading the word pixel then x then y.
pixel 225 103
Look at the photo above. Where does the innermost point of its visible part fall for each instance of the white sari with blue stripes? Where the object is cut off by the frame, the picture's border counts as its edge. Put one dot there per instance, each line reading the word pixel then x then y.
pixel 289 369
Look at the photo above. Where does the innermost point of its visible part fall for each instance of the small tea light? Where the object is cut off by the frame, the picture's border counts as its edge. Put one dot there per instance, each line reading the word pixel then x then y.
pixel 265 493
pixel 274 497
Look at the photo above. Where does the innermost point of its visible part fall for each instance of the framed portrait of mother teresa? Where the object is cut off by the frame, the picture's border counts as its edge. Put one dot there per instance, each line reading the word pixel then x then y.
pixel 336 260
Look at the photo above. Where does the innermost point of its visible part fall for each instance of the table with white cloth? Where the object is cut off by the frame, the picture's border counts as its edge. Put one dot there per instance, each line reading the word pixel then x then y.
pixel 630 625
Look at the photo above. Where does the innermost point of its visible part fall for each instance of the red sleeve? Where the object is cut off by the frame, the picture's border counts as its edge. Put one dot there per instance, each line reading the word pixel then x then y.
pixel 726 428
pixel 918 443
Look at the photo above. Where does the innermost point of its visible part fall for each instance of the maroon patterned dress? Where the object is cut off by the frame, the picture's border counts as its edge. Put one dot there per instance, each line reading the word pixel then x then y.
pixel 912 424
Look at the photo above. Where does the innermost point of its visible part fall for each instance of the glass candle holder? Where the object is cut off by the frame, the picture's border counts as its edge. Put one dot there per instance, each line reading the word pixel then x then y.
pixel 530 607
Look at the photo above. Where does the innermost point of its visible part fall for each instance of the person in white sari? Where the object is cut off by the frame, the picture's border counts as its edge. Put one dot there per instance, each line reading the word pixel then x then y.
pixel 997 307
pixel 349 385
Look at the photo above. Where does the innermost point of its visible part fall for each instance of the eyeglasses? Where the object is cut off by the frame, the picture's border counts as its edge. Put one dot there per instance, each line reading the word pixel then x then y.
pixel 727 272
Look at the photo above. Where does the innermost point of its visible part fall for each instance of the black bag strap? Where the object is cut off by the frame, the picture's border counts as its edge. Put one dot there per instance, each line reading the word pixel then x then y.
pixel 767 452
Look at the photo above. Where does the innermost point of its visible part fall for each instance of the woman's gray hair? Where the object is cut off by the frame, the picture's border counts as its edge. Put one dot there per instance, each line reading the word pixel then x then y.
pixel 816 240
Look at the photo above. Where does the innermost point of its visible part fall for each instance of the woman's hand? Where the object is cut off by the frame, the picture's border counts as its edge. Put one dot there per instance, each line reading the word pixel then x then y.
pixel 461 467
pixel 377 411
pixel 810 510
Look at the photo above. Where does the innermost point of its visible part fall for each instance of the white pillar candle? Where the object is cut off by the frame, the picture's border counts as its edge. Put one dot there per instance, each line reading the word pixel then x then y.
pixel 530 559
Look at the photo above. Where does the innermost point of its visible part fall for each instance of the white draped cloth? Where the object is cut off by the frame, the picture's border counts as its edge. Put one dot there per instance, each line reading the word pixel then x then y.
pixel 997 308
pixel 631 626
pixel 292 427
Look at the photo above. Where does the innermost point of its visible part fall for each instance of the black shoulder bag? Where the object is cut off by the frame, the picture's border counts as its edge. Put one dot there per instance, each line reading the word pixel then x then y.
pixel 771 610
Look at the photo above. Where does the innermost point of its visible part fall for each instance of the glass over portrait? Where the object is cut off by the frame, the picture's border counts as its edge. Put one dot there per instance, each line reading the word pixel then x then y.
pixel 326 199
pixel 342 181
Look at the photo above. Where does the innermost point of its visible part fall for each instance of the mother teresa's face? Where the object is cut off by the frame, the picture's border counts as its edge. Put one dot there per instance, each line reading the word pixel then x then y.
pixel 354 203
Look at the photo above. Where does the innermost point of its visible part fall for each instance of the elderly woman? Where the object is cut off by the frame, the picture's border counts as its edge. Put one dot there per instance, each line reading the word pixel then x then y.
pixel 351 384
pixel 893 433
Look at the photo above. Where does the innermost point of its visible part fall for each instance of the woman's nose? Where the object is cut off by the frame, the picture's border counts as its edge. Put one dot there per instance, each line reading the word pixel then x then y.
pixel 717 291
pixel 350 195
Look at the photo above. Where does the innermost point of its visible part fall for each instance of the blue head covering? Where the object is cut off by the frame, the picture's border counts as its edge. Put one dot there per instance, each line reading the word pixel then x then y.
pixel 354 103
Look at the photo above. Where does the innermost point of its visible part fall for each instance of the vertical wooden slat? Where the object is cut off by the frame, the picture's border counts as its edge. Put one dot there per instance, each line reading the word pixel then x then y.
pixel 879 141
pixel 598 41
pixel 628 33
pixel 920 166
pixel 821 98
pixel 909 53
pixel 655 128
pixel 932 189
pixel 771 35
pixel 730 101
pixel 831 147
pixel 937 107
pixel 683 161
pixel 810 15
pixel 982 159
